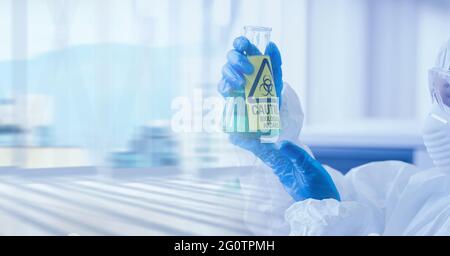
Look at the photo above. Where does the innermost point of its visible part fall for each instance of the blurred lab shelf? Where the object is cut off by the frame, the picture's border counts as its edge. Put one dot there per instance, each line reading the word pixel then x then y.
pixel 41 158
pixel 44 173
pixel 344 159
pixel 6 157
pixel 345 146
pixel 363 134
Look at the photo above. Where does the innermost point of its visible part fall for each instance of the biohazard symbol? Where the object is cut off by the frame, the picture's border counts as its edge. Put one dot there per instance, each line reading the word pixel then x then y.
pixel 267 86
pixel 262 81
pixel 260 93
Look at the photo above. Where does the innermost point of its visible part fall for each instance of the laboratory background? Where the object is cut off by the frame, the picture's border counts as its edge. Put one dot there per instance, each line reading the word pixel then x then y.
pixel 87 90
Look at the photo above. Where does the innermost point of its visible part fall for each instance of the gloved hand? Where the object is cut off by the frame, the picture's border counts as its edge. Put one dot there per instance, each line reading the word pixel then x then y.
pixel 238 65
pixel 302 176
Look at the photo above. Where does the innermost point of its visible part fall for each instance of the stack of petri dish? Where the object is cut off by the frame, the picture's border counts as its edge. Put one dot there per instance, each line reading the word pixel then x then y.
pixel 155 145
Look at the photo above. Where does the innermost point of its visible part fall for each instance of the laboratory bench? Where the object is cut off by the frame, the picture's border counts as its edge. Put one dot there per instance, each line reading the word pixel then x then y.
pixel 80 201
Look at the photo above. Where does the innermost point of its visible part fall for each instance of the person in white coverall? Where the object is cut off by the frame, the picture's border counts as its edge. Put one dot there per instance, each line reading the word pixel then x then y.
pixel 289 192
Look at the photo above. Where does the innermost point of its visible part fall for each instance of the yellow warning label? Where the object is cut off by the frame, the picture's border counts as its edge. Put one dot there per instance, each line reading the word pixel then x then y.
pixel 261 97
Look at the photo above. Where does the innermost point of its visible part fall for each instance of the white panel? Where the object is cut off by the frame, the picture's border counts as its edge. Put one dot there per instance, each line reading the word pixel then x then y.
pixel 293 46
pixel 5 30
pixel 190 32
pixel 221 12
pixel 336 56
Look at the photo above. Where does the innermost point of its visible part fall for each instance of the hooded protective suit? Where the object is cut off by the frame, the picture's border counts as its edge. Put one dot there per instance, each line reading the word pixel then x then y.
pixel 382 198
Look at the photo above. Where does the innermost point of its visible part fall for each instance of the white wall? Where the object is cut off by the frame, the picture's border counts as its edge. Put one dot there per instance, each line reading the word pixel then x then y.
pixel 369 60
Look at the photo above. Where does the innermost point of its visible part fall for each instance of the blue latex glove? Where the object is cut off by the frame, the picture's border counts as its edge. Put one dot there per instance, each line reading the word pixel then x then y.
pixel 302 176
pixel 238 65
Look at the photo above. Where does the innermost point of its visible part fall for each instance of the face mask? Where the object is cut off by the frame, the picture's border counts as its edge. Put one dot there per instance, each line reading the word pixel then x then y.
pixel 436 136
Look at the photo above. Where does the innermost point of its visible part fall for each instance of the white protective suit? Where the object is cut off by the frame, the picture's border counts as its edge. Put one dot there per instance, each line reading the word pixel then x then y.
pixel 381 198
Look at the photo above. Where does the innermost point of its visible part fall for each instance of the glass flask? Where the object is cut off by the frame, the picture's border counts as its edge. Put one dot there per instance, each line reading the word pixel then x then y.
pixel 254 110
